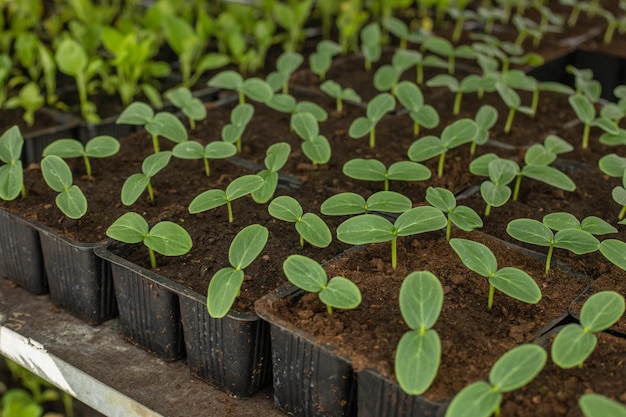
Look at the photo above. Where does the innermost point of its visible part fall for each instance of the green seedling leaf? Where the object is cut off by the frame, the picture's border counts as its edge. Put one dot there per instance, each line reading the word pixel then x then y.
pixel 135 185
pixel 421 299
pixel 374 170
pixel 228 79
pixel 238 188
pixel 191 106
pixel 194 150
pixel 595 405
pixel 417 360
pixel 309 275
pixel 161 124
pixel 226 283
pixel 98 147
pixel 345 204
pixel 57 174
pixel 11 174
pixel 275 158
pixel 310 226
pixel 517 367
pixel 601 311
pixel 380 105
pixel 615 251
pixel 128 228
pixel 475 400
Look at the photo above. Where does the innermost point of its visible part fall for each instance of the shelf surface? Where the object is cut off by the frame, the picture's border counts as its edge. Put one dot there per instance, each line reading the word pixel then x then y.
pixel 96 366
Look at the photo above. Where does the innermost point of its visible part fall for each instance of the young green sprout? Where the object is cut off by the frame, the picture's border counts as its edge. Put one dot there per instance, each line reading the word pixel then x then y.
pixel 470 84
pixel 371 44
pixel 166 238
pixel 399 29
pixel 539 233
pixel 191 106
pixel 513 101
pixel 371 228
pixel 11 172
pixel 238 188
pixel 135 185
pixel 287 104
pixel 161 124
pixel 511 281
pixel 374 170
pixel 286 64
pixel 419 351
pixel 456 134
pixel 586 113
pixel 225 286
pixel 575 342
pixel 462 217
pixel 486 117
pixel 387 76
pixel 309 226
pixel 615 166
pixel 240 116
pixel 275 158
pixel 98 147
pixel 29 99
pixel 376 110
pixel 348 204
pixel 513 370
pixel 57 174
pixel 519 80
pixel 595 405
pixel 314 146
pixel 495 191
pixel 411 98
pixel 308 275
pixel 253 88
pixel 214 150
pixel 334 90
pixel 444 47
pixel 321 60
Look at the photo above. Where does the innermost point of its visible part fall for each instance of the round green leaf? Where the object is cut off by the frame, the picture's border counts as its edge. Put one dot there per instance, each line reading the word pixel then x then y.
pixel 11 180
pixel 189 150
pixel 379 106
pixel 167 125
pixel 421 298
pixel 612 165
pixel 11 143
pixel 550 176
pixel 317 150
pixel 601 311
pixel 305 273
pixel 242 186
pixel 425 148
pixel 385 78
pixel 155 163
pixel 257 89
pixel 517 367
pixel 305 126
pixel 217 150
pixel 241 114
pixel 460 132
pixel 572 346
pixel 530 231
pixel 285 208
pixel 408 171
pixel 309 107
pixel 56 173
pixel 516 284
pixel 247 245
pixel 136 113
pixel 133 187
pixel 72 202
pixel 495 195
pixel 583 108
pixel 365 169
pixel 560 221
pixel 223 290
pixel 475 400
pixel 102 147
pixel 284 103
pixel 266 192
pixel 71 58
pixel 277 155
pixel 596 226
pixel 576 240
pixel 595 405
pixel 410 96
pixel 64 148
pixel 388 201
pixel 313 229
pixel 417 360
pixel 538 155
pixel 441 198
pixel 360 127
pixel 341 293
pixel 228 79
pixel 365 228
pixel 343 204
pixel 465 218
pixel 615 251
pixel 169 239
pixel 128 228
pixel 207 200
pixel 475 256
pixel 427 116
pixel 420 220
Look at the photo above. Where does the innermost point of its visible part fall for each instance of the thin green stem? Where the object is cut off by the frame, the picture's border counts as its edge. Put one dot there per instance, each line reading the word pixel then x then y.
pixel 207 168
pixel 509 120
pixel 451 64
pixel 329 309
pixel 518 182
pixel 416 128
pixel 238 144
pixel 23 191
pixel 492 290
pixel 622 213
pixel 286 88
pixel 448 229
pixel 242 98
pixel 402 44
pixel 152 258
pixel 442 159
pixel 473 149
pixel 192 124
pixel 608 33
pixel 87 165
pixel 549 257
pixel 373 137
pixel 301 241
pixel 339 104
pixel 386 184
pixel 488 210
pixel 150 192
pixel 457 103
pixel 230 212
pixel 394 252
pixel 586 135
pixel 155 143
pixel 534 103
pixel 458 28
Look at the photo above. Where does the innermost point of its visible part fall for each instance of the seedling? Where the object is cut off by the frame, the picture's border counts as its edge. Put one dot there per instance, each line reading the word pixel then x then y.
pixel 399 29
pixel 287 104
pixel 72 60
pixel 511 281
pixel 419 351
pixel 376 110
pixel 586 113
pixel 194 150
pixel 238 188
pixel 286 64
pixel 513 101
pixel 314 145
pixel 595 405
pixel 537 233
pixel 592 224
pixel 412 99
pixel 225 286
pixel 371 228
pixel 501 172
pixel 371 44
pixel 160 124
pixel 98 147
pixel 309 226
pixel 513 370
pixel 470 84
pixel 348 204
pixel 334 90
pixel 191 106
pixel 11 172
pixel 253 88
pixel 240 116
pixel 292 18
pixel 462 217
pixel 575 342
pixel 166 238
pixel 28 99
pixel 137 183
pixel 387 76
pixel 275 158
pixel 321 60
pixel 374 170
pixel 58 175
pixel 486 117
pixel 519 80
pixel 456 134
pixel 459 16
pixel 444 47
pixel 308 275
pixel 584 83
